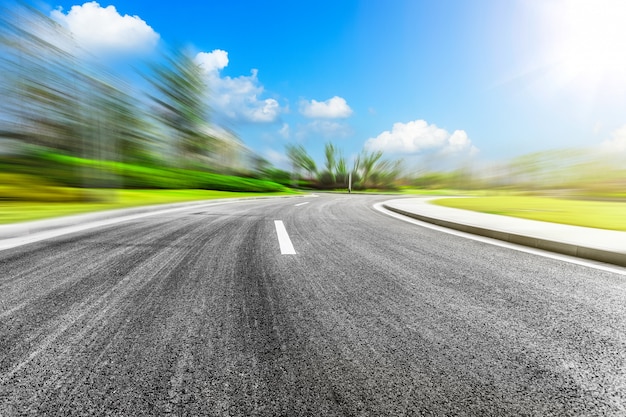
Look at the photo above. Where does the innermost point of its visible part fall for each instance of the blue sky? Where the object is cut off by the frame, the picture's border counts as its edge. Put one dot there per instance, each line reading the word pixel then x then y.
pixel 434 82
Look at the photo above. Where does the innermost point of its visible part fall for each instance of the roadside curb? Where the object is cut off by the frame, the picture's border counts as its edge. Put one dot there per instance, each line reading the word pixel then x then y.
pixel 563 248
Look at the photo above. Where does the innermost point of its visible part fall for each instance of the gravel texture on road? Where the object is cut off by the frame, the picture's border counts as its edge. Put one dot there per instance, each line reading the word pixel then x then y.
pixel 198 313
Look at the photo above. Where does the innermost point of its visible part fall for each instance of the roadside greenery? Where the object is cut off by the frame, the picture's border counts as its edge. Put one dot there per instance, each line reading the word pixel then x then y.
pixel 72 134
pixel 54 97
pixel 69 171
pixel 30 209
pixel 369 170
pixel 581 173
pixel 587 213
pixel 180 103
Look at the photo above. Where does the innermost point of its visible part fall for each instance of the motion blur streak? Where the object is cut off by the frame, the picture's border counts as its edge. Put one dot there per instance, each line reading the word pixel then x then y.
pixel 67 125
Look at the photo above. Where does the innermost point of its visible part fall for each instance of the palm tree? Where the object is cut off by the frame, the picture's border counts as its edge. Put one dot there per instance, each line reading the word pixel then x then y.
pixel 301 159
pixel 330 153
pixel 367 163
pixel 341 171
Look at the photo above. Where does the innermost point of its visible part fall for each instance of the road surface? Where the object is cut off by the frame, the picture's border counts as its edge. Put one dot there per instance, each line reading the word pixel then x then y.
pixel 208 311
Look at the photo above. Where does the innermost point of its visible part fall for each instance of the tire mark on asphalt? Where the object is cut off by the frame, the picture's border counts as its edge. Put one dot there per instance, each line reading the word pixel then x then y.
pixel 446 324
pixel 353 326
pixel 91 313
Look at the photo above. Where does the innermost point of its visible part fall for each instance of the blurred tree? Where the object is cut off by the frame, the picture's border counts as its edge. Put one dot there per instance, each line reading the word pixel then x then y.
pixel 181 97
pixel 123 125
pixel 300 159
pixel 41 94
pixel 53 99
pixel 330 155
pixel 367 163
pixel 371 171
pixel 341 171
pixel 385 174
pixel 356 173
pixel 368 171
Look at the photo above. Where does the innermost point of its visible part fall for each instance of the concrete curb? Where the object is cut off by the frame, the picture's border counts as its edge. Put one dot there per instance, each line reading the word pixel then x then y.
pixel 594 254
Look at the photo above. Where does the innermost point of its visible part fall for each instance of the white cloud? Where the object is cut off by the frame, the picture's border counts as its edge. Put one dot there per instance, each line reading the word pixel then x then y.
pixel 262 111
pixel 236 98
pixel 417 136
pixel 459 142
pixel 103 31
pixel 325 129
pixel 333 108
pixel 284 131
pixel 617 143
pixel 212 62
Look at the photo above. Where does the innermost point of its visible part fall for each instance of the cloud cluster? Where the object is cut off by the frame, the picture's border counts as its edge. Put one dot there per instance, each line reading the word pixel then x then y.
pixel 333 108
pixel 417 136
pixel 212 62
pixel 325 115
pixel 236 98
pixel 617 143
pixel 326 129
pixel 103 31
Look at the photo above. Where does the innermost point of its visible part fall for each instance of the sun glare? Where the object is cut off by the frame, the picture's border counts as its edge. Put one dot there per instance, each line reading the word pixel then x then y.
pixel 586 42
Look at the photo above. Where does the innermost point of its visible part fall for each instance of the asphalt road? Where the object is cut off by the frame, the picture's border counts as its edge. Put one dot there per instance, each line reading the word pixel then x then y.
pixel 199 313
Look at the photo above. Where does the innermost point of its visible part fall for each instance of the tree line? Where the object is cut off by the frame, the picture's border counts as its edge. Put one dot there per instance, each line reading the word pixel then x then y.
pixel 368 171
pixel 54 98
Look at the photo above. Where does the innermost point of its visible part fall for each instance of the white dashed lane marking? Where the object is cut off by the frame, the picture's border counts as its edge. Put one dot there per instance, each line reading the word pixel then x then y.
pixel 286 247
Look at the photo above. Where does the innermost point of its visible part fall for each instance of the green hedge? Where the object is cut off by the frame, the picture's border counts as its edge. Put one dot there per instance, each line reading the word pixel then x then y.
pixel 78 172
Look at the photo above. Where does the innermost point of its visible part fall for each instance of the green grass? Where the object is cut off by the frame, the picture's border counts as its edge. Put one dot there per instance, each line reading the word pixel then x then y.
pixel 107 199
pixel 442 191
pixel 598 214
pixel 409 191
pixel 49 185
pixel 70 171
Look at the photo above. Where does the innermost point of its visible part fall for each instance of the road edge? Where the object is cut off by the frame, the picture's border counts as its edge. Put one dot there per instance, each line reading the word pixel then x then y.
pixel 19 234
pixel 569 249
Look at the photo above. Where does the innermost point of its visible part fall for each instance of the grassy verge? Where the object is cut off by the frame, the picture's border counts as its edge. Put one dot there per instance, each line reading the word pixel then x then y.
pixel 409 191
pixel 41 184
pixel 597 214
pixel 70 171
pixel 19 211
pixel 442 191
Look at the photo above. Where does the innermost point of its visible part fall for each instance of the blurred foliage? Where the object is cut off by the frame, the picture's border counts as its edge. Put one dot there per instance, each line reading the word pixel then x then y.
pixel 597 214
pixel 31 209
pixel 282 177
pixel 45 169
pixel 180 100
pixel 369 170
pixel 300 159
pixel 23 187
pixel 562 172
pixel 66 122
pixel 51 98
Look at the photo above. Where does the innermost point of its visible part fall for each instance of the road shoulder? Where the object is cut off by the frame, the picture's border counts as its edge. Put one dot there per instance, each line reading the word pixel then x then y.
pixel 595 244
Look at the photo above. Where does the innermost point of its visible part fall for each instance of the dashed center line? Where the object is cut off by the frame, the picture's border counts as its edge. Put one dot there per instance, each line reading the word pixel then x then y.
pixel 286 247
pixel 301 204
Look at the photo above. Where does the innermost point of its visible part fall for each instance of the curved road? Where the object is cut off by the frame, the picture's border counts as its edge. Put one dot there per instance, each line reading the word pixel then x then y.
pixel 197 312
